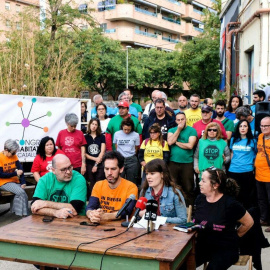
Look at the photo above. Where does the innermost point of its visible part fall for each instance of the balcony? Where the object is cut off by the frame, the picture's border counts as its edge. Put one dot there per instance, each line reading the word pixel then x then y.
pixel 192 13
pixel 127 12
pixel 198 29
pixel 171 20
pixel 171 39
pixel 131 35
pixel 208 3
pixel 191 31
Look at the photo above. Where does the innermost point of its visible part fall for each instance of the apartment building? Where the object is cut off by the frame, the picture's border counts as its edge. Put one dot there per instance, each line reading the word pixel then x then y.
pixel 9 10
pixel 152 23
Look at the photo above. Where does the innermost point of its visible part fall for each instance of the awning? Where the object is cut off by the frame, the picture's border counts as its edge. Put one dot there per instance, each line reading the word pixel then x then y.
pixel 143 45
pixel 212 10
pixel 170 11
pixel 146 3
pixel 198 4
pixel 196 21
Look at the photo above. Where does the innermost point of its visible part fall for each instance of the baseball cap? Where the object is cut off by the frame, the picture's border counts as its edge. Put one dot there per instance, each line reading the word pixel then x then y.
pixel 123 104
pixel 207 109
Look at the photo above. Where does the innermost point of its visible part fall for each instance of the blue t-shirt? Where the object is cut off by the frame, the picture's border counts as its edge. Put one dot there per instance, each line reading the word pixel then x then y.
pixel 243 156
pixel 94 112
pixel 230 115
pixel 253 108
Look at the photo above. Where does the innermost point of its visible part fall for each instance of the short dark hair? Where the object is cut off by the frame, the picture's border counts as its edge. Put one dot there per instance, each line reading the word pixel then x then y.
pixel 126 89
pixel 221 103
pixel 127 122
pixel 41 147
pixel 114 155
pixel 195 95
pixel 260 93
pixel 160 100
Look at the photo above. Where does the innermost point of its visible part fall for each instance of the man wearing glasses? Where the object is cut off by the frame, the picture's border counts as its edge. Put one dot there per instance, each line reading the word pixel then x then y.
pixel 262 172
pixel 60 193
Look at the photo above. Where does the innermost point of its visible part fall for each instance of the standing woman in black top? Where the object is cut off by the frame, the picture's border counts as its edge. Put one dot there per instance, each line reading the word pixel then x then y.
pixel 218 213
pixel 95 150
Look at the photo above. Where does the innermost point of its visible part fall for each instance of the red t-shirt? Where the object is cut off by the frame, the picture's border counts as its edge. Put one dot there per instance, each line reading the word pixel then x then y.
pixel 44 166
pixel 200 127
pixel 70 143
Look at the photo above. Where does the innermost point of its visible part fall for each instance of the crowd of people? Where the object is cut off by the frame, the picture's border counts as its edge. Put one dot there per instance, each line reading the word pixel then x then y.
pixel 211 157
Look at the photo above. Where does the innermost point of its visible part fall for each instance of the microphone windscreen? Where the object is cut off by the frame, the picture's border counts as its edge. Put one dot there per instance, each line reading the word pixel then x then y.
pixel 152 206
pixel 141 203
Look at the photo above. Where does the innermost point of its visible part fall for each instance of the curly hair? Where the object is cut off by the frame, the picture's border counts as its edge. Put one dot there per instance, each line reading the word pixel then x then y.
pixel 226 185
pixel 159 165
pixel 229 107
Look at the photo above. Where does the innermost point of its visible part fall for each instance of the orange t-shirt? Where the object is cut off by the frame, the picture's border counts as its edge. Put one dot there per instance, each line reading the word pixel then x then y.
pixel 9 166
pixel 112 200
pixel 262 170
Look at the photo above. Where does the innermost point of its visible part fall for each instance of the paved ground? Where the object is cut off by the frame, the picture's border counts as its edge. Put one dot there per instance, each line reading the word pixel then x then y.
pixel 9 218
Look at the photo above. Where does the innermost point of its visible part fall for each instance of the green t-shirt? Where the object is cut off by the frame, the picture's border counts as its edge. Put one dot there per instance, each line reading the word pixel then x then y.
pixel 50 189
pixel 178 154
pixel 228 124
pixel 115 123
pixel 137 106
pixel 210 154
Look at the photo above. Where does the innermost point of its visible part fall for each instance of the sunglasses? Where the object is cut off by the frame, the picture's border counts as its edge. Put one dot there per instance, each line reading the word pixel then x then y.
pixel 212 129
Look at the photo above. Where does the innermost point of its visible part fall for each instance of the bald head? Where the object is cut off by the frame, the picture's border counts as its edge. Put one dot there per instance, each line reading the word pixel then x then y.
pixel 62 168
pixel 58 159
pixel 156 94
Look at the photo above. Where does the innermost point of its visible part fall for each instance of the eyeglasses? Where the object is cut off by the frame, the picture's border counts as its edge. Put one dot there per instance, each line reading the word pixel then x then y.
pixel 212 129
pixel 212 168
pixel 64 170
pixel 264 126
pixel 101 109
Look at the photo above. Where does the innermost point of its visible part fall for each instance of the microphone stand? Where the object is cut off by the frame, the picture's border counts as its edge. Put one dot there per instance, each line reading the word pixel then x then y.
pixel 125 223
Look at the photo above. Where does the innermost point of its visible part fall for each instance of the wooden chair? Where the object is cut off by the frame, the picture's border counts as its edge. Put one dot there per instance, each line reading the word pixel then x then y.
pixel 243 260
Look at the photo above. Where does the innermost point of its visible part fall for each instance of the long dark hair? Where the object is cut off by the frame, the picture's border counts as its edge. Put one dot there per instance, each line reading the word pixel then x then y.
pixel 159 165
pixel 104 105
pixel 41 147
pixel 226 185
pixel 237 135
pixel 229 107
pixel 98 131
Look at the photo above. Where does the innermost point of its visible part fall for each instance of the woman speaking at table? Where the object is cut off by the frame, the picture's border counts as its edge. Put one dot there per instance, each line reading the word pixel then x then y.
pixel 160 187
pixel 219 213
pixel 12 178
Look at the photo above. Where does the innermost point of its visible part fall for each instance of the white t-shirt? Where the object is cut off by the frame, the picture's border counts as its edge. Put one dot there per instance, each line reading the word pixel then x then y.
pixel 104 123
pixel 126 142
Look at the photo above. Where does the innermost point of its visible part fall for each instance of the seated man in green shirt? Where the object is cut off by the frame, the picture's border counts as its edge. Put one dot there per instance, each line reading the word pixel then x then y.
pixel 60 193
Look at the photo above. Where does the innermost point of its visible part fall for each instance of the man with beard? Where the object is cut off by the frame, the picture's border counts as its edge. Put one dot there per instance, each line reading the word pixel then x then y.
pixel 193 114
pixel 206 119
pixel 182 103
pixel 258 96
pixel 109 195
pixel 227 123
pixel 60 193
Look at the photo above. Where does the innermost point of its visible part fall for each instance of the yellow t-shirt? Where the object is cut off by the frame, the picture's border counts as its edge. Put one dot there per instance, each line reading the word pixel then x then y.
pixel 9 166
pixel 154 150
pixel 112 200
pixel 193 116
pixel 262 170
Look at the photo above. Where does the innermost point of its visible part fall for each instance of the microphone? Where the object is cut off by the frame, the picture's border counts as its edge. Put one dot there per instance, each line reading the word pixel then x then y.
pixel 151 214
pixel 125 206
pixel 140 205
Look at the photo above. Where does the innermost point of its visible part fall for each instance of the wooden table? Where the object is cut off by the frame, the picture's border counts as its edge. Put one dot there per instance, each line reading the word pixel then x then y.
pixel 53 244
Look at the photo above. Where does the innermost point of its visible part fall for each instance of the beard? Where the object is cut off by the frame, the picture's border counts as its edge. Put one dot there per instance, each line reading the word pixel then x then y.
pixel 182 107
pixel 220 114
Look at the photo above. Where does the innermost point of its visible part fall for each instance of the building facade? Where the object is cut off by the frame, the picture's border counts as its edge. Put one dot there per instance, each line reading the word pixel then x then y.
pixel 248 33
pixel 153 23
pixel 10 10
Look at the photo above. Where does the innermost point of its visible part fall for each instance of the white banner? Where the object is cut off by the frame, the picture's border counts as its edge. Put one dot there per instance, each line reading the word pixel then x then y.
pixel 28 119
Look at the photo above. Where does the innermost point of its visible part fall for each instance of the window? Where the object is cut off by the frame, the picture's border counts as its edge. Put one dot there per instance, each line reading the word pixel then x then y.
pixel 18 25
pixel 8 23
pixel 103 26
pixel 7 5
pixel 18 8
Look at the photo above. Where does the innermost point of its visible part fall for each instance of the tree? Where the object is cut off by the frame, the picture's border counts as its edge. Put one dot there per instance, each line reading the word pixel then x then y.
pixel 199 59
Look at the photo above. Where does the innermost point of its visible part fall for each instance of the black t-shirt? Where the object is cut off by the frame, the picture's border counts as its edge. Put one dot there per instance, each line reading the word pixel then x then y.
pixel 220 220
pixel 163 125
pixel 93 146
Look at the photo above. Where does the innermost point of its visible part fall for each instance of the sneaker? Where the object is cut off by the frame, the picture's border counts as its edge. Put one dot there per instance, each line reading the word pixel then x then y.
pixel 267 229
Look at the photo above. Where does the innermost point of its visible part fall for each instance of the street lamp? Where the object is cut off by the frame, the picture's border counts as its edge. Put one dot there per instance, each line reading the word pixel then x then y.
pixel 127 47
